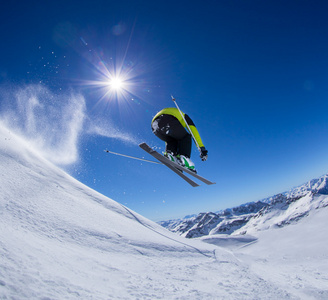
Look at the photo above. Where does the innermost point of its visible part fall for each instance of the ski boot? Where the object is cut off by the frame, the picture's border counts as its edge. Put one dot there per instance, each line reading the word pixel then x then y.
pixel 172 157
pixel 187 163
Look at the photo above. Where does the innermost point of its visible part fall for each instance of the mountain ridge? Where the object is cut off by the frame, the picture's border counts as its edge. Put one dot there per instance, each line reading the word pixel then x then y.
pixel 287 207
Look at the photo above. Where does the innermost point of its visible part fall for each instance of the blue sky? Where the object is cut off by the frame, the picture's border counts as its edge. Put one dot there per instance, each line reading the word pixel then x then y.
pixel 251 74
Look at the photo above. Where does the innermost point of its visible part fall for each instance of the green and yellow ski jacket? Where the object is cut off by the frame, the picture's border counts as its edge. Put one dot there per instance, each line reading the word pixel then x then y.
pixel 175 113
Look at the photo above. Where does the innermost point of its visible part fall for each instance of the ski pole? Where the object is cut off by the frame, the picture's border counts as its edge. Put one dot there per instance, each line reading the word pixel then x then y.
pixel 133 157
pixel 176 104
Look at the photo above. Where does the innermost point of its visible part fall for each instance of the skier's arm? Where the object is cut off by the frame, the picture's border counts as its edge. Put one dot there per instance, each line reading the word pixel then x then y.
pixel 198 140
pixel 194 131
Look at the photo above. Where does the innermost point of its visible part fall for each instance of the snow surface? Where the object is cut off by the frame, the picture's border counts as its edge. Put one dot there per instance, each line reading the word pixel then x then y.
pixel 296 256
pixel 62 240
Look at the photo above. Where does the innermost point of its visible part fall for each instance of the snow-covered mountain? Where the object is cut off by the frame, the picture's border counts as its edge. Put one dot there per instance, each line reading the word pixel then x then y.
pixel 279 210
pixel 223 222
pixel 62 240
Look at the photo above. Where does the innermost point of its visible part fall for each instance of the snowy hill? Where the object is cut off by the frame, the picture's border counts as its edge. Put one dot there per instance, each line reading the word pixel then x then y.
pixel 279 210
pixel 62 240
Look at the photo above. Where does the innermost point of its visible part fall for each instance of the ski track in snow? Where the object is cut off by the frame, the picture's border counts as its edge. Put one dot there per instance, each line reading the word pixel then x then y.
pixel 62 240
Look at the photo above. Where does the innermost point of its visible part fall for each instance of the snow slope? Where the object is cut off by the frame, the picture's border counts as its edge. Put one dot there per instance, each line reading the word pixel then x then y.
pixel 284 242
pixel 294 257
pixel 61 240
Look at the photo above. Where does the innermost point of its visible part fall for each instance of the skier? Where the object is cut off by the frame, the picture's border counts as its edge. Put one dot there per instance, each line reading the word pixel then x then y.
pixel 170 126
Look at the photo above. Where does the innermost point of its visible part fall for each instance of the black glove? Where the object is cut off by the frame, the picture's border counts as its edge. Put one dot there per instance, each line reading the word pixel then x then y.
pixel 203 153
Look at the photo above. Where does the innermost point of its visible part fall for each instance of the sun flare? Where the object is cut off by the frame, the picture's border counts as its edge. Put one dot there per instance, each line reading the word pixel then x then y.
pixel 116 83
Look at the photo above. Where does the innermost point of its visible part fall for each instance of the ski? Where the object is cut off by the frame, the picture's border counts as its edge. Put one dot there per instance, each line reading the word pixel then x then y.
pixel 175 167
pixel 165 162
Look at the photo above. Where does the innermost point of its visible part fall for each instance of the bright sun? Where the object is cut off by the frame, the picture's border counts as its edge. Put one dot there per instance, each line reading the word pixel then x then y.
pixel 116 83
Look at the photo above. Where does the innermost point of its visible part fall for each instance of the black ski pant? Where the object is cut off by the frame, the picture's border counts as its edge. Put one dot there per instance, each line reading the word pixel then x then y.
pixel 169 129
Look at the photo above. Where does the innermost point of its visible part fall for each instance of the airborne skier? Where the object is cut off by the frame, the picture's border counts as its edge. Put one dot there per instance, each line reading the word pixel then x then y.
pixel 177 129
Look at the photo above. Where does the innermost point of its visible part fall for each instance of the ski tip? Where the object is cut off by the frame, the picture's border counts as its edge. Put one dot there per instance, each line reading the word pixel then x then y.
pixel 145 147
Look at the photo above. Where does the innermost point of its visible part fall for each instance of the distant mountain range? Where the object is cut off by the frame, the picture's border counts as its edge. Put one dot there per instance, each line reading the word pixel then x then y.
pixel 276 211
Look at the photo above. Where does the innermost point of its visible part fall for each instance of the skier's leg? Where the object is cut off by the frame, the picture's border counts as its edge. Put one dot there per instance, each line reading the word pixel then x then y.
pixel 178 132
pixel 184 147
pixel 183 138
pixel 161 127
pixel 178 140
pixel 171 146
pixel 185 153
